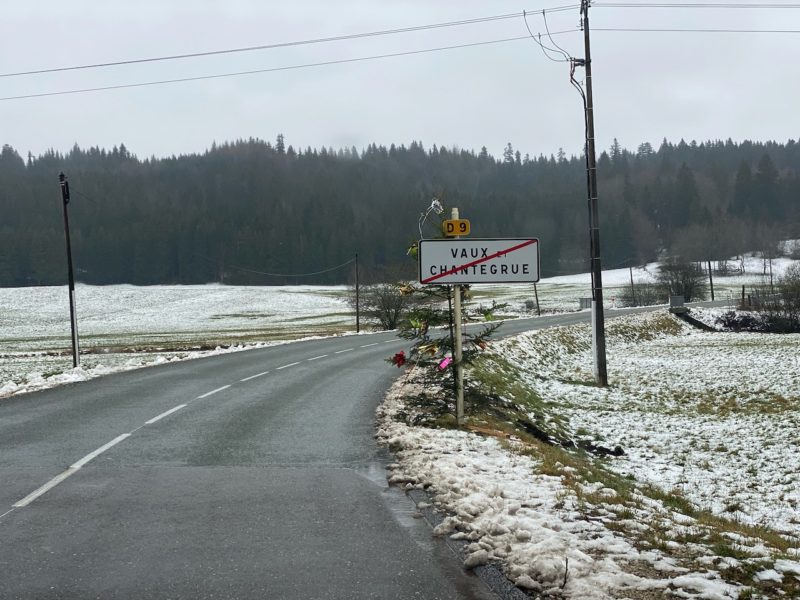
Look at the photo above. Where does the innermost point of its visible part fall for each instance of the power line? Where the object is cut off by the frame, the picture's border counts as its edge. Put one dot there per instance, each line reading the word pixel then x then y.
pixel 379 57
pixel 237 268
pixel 538 40
pixel 691 30
pixel 714 5
pixel 306 42
pixel 269 70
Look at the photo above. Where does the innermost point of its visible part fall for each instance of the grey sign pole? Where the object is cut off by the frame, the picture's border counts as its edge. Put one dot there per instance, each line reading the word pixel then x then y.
pixel 72 316
pixel 458 346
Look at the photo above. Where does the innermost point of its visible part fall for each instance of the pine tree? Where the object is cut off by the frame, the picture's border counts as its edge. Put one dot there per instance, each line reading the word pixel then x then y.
pixel 741 205
pixel 765 199
pixel 508 154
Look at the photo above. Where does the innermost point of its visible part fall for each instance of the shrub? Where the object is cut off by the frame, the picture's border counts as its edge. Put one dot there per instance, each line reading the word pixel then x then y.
pixel 679 278
pixel 383 303
pixel 643 294
pixel 780 309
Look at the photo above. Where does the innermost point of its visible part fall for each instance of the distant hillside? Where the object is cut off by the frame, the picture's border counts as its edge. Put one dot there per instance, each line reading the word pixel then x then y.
pixel 251 207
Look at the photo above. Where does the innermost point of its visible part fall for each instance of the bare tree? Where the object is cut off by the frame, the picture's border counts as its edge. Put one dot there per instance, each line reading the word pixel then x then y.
pixel 385 304
pixel 680 278
pixel 767 241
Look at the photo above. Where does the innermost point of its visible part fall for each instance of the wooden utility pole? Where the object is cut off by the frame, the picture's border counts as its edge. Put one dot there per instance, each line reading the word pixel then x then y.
pixel 598 318
pixel 358 313
pixel 711 280
pixel 71 278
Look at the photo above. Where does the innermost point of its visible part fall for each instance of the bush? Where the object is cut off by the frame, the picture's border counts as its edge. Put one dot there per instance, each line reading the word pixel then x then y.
pixel 679 278
pixel 383 303
pixel 780 308
pixel 643 294
pixel 742 321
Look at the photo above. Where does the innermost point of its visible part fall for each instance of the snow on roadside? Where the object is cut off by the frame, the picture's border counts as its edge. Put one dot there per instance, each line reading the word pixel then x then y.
pixel 124 327
pixel 709 418
pixel 35 381
pixel 529 523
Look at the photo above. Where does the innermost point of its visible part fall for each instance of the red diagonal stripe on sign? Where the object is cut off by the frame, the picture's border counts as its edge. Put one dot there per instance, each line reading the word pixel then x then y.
pixel 479 261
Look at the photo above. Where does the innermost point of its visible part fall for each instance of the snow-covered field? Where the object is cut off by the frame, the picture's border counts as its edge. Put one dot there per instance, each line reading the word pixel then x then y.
pixel 123 326
pixel 704 502
pixel 560 294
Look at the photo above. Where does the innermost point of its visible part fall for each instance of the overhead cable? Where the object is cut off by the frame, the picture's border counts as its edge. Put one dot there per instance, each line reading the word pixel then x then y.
pixel 306 42
pixel 243 269
pixel 538 40
pixel 691 30
pixel 268 70
pixel 715 5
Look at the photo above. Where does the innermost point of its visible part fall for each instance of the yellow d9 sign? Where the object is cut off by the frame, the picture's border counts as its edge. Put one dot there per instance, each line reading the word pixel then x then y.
pixel 454 227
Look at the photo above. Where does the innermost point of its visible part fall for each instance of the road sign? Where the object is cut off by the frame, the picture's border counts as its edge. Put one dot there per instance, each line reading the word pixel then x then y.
pixel 454 227
pixel 479 261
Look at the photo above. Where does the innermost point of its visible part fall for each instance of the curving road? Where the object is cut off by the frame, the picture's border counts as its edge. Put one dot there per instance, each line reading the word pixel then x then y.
pixel 245 475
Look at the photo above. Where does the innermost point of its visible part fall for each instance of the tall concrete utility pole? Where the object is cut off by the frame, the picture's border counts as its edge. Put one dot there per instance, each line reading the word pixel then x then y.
pixel 598 318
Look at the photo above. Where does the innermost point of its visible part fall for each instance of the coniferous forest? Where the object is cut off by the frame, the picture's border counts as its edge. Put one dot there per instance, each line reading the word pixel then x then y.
pixel 241 210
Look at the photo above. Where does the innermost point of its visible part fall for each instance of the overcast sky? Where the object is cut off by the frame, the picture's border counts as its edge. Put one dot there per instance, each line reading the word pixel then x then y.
pixel 647 86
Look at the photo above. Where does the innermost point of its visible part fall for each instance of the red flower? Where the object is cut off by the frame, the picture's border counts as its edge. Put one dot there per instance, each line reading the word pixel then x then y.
pixel 399 359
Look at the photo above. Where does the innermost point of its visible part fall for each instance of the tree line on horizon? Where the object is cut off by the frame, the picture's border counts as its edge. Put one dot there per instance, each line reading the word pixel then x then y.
pixel 260 213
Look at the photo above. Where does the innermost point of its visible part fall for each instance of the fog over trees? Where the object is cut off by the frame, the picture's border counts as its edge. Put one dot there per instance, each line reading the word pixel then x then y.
pixel 250 207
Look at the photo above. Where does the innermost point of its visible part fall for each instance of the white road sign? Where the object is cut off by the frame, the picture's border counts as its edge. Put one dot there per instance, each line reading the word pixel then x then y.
pixel 479 261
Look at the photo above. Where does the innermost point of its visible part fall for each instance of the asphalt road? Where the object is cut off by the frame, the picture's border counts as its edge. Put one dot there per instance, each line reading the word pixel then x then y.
pixel 245 475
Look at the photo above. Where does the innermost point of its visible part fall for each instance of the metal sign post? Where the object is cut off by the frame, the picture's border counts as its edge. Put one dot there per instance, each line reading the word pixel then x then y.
pixel 73 319
pixel 458 350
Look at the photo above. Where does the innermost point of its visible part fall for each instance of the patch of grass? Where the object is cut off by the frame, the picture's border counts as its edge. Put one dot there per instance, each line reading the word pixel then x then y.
pixel 584 382
pixel 243 315
pixel 496 394
pixel 348 315
pixel 727 549
pixel 659 324
pixel 744 402
pixel 673 499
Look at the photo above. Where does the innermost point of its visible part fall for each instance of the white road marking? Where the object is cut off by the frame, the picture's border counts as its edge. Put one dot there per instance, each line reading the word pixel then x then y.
pixel 45 488
pixel 71 470
pixel 99 451
pixel 369 345
pixel 317 357
pixel 390 342
pixel 287 366
pixel 207 394
pixel 164 414
pixel 348 350
pixel 253 376
pixel 8 512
